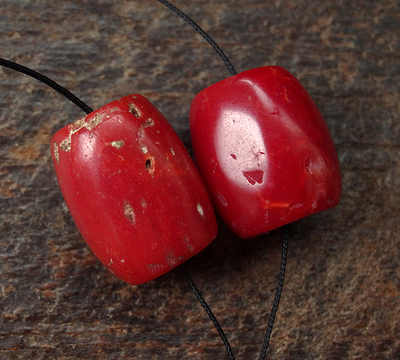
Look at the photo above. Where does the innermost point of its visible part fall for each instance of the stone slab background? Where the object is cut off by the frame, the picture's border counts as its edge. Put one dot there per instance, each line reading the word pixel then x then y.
pixel 341 298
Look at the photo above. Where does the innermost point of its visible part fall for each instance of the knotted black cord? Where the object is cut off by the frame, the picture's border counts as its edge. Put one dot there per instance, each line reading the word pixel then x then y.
pixel 44 79
pixel 202 33
pixel 279 288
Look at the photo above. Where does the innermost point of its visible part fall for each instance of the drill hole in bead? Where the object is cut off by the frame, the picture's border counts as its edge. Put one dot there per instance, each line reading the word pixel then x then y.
pixel 149 165
pixel 134 110
pixel 149 122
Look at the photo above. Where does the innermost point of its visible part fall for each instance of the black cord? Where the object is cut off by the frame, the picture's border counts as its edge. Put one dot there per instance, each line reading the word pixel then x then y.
pixel 278 294
pixel 44 79
pixel 275 305
pixel 202 33
pixel 209 312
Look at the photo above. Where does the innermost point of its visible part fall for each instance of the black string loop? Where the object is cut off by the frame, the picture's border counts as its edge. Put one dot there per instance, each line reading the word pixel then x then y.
pixel 202 33
pixel 278 294
pixel 45 80
pixel 274 309
pixel 209 312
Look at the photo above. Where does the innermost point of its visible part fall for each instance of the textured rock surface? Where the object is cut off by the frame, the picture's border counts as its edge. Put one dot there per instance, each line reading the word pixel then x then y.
pixel 341 298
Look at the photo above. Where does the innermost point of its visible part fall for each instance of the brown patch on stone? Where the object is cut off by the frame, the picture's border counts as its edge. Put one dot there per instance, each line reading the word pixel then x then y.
pixel 25 152
pixel 7 188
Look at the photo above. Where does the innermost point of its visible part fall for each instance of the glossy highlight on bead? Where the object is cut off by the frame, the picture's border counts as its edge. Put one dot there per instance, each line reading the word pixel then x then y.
pixel 263 150
pixel 133 190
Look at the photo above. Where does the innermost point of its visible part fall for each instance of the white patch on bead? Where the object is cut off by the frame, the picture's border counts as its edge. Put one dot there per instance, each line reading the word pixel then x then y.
pixel 200 210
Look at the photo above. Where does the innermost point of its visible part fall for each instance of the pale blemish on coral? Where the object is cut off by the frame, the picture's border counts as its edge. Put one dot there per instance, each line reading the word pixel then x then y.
pixel 155 268
pixel 89 122
pixel 140 132
pixel 133 109
pixel 129 213
pixel 221 198
pixel 189 246
pixel 149 123
pixel 118 144
pixel 55 151
pixel 171 259
pixel 200 210
pixel 144 204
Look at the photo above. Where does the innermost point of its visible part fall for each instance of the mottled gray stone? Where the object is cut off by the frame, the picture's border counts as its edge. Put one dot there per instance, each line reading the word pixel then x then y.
pixel 341 298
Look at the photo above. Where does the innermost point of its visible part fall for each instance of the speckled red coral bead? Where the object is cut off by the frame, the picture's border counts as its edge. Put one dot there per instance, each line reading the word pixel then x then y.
pixel 263 150
pixel 133 190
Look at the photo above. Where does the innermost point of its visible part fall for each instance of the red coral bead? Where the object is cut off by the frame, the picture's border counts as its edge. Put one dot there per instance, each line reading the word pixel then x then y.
pixel 263 150
pixel 133 190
